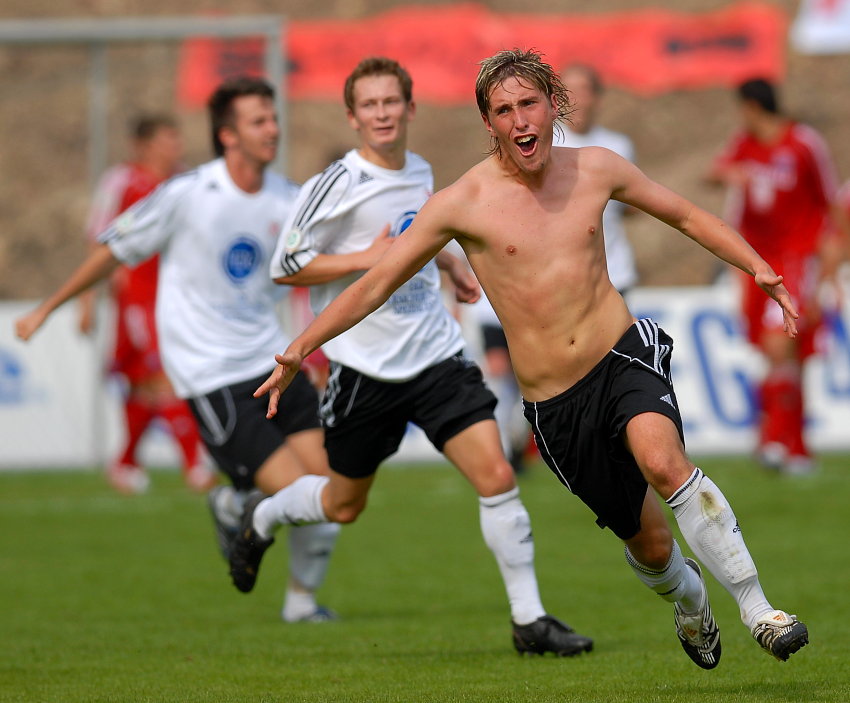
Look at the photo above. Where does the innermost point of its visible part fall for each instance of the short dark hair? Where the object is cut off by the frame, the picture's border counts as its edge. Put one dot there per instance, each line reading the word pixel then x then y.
pixel 221 102
pixel 377 66
pixel 761 92
pixel 145 126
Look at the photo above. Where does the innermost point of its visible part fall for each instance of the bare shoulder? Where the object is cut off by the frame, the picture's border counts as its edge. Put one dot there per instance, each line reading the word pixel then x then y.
pixel 464 190
pixel 604 167
pixel 593 157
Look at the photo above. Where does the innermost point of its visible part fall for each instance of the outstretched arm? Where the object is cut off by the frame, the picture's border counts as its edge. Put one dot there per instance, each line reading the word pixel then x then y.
pixel 420 243
pixel 705 229
pixel 97 266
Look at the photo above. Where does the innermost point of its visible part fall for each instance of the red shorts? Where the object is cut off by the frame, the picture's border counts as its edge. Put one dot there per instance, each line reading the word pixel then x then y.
pixel 762 314
pixel 136 347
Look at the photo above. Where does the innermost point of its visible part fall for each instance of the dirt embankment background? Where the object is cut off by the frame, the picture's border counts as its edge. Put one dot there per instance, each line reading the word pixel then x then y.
pixel 44 189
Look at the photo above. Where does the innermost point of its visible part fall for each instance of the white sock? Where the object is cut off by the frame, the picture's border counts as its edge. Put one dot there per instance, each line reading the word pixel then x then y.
pixel 676 582
pixel 310 549
pixel 507 532
pixel 508 410
pixel 298 504
pixel 298 605
pixel 711 530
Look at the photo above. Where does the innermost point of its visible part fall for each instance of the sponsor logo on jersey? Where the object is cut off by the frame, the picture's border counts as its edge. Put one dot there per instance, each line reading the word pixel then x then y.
pixel 403 222
pixel 293 239
pixel 124 222
pixel 242 258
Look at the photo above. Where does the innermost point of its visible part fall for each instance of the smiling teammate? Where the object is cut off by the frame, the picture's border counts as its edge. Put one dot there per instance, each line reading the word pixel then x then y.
pixel 596 382
pixel 403 363
pixel 215 228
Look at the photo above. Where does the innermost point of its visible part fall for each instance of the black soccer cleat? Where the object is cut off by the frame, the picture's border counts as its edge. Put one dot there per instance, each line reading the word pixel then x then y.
pixel 226 527
pixel 247 549
pixel 548 634
pixel 698 633
pixel 780 634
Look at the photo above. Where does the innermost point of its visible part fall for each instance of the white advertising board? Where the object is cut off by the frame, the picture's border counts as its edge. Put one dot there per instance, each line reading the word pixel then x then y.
pixel 57 411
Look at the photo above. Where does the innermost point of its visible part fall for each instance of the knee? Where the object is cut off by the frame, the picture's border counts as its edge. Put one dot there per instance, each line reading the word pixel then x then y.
pixel 665 472
pixel 345 513
pixel 498 478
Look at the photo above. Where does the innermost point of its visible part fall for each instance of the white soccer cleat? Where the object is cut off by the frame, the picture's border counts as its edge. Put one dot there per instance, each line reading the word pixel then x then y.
pixel 780 634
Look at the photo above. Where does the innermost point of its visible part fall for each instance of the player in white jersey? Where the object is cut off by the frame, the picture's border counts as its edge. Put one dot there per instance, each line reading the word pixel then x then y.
pixel 580 130
pixel 215 229
pixel 403 363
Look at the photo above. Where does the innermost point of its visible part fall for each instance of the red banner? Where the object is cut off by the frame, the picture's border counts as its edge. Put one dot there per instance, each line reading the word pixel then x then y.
pixel 646 51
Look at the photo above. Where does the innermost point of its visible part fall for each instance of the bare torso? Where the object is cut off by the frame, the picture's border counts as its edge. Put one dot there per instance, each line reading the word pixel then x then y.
pixel 539 255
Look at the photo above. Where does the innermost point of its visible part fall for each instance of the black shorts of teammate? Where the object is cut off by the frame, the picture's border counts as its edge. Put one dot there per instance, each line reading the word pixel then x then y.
pixel 580 432
pixel 365 419
pixel 234 428
pixel 494 337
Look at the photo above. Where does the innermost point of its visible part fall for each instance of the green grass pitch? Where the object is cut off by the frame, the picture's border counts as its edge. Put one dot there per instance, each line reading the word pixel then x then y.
pixel 105 598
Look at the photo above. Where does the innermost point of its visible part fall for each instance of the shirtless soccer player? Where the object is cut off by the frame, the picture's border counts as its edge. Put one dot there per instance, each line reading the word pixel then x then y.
pixel 595 380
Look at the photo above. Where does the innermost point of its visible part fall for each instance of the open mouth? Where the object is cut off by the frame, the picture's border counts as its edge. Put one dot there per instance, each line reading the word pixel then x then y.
pixel 526 144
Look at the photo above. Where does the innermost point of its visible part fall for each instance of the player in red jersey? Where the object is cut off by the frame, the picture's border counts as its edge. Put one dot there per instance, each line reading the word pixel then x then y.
pixel 784 197
pixel 157 149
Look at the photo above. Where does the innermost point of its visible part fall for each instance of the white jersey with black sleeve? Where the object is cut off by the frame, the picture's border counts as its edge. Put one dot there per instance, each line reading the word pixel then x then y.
pixel 216 307
pixel 618 252
pixel 342 210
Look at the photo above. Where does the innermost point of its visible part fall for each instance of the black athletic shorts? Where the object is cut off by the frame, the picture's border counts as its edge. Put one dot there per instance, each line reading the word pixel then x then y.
pixel 234 428
pixel 365 419
pixel 579 432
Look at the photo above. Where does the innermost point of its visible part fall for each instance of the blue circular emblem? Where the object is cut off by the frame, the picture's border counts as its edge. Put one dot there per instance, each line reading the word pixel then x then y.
pixel 242 258
pixel 403 222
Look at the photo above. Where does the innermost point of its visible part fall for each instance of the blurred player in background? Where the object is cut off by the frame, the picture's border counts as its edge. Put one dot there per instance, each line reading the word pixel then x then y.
pixel 404 363
pixel 215 228
pixel 783 195
pixel 580 129
pixel 157 152
pixel 595 380
pixel 513 429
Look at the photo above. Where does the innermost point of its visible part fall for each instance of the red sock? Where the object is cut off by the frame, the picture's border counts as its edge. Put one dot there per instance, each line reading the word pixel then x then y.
pixel 138 414
pixel 782 410
pixel 179 417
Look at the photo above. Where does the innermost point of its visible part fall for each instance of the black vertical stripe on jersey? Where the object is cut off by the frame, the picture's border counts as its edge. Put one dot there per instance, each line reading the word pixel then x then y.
pixel 318 193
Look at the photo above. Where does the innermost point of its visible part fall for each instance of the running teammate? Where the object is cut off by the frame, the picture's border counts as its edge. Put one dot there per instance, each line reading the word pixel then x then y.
pixel 215 228
pixel 596 382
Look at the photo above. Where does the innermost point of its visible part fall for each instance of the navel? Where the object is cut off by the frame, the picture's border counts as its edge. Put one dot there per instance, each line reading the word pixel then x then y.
pixel 511 249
